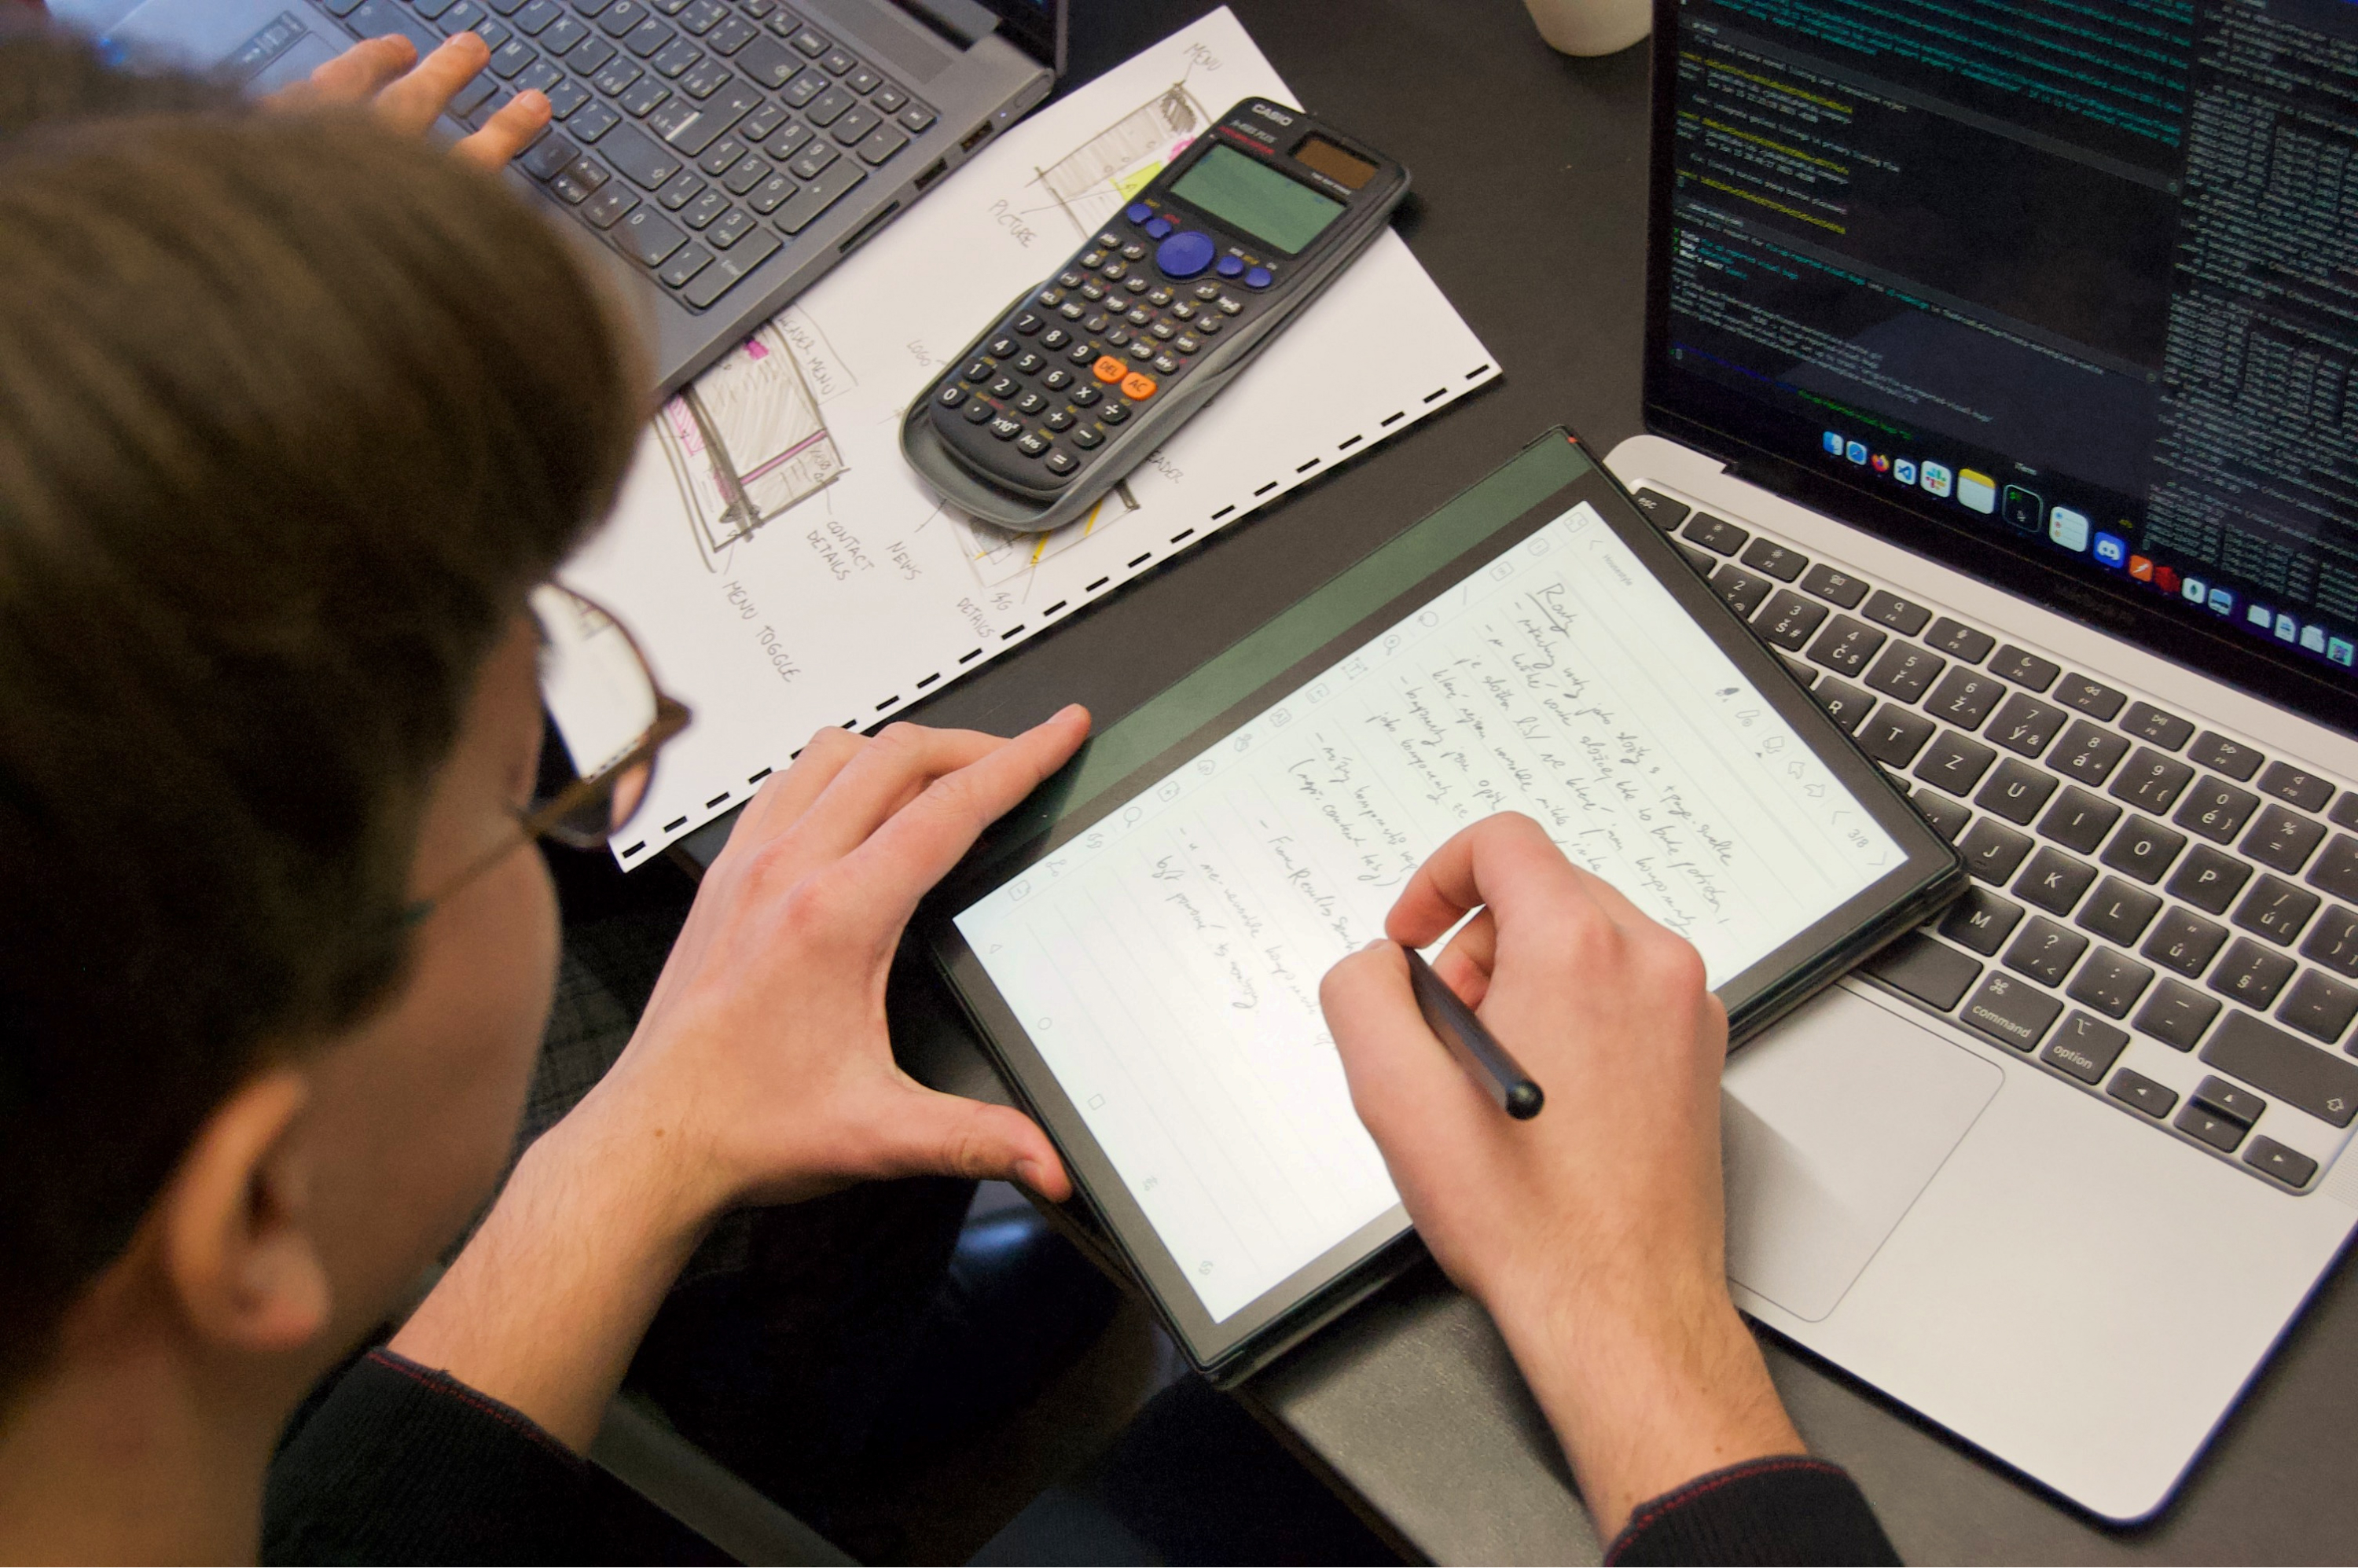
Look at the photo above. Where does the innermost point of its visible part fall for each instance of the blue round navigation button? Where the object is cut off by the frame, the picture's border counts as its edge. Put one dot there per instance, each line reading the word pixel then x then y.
pixel 1258 277
pixel 1158 228
pixel 1185 254
pixel 1138 213
pixel 1231 265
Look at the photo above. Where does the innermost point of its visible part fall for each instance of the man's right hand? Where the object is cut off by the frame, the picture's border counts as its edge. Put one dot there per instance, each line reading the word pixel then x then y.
pixel 1593 1233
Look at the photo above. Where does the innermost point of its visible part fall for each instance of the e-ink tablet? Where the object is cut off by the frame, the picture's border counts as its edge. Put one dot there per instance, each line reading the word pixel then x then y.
pixel 1141 944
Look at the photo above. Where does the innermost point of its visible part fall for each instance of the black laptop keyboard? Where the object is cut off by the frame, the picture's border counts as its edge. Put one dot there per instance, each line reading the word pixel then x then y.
pixel 2136 872
pixel 697 136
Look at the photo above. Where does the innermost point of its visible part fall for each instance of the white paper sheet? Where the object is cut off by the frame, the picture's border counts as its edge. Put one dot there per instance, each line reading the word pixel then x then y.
pixel 811 580
pixel 1166 962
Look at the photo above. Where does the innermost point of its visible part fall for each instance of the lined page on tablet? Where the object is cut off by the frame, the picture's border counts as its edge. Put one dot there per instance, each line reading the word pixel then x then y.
pixel 1165 963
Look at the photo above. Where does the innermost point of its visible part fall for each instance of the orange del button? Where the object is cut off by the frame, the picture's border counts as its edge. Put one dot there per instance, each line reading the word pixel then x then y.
pixel 1138 388
pixel 1108 369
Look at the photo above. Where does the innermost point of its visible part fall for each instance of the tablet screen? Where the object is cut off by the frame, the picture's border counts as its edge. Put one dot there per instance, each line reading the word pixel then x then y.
pixel 1165 960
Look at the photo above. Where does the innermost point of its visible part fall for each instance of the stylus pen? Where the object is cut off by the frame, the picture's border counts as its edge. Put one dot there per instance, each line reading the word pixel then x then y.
pixel 1472 1045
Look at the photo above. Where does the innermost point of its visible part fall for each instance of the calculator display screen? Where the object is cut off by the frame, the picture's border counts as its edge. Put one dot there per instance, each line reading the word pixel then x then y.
pixel 1256 200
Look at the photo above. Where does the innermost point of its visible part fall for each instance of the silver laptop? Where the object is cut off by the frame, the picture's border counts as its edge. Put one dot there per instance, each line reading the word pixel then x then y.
pixel 1999 370
pixel 720 155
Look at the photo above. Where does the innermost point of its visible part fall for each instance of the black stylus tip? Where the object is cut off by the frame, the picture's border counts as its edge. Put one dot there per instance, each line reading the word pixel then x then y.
pixel 1523 1101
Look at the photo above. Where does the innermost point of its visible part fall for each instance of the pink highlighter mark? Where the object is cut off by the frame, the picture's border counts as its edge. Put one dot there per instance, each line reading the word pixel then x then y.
pixel 753 348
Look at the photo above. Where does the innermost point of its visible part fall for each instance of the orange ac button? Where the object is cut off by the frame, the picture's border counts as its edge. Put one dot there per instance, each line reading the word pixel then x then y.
pixel 1138 388
pixel 1108 369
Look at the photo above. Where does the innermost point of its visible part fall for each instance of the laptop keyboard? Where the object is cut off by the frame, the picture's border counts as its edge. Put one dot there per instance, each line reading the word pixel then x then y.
pixel 696 136
pixel 2161 913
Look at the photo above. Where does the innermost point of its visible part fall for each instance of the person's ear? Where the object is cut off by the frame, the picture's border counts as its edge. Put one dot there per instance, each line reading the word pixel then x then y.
pixel 238 1253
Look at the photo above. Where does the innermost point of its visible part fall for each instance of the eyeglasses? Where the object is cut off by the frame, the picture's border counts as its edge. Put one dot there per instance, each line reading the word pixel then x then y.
pixel 614 720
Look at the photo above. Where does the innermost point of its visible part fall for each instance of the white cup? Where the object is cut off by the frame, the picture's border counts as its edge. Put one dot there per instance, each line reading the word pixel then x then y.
pixel 1590 27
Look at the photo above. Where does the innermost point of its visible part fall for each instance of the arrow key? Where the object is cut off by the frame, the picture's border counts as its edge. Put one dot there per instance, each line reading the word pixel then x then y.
pixel 2270 1158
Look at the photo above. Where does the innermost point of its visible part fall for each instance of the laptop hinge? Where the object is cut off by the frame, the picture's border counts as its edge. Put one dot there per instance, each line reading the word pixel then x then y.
pixel 1770 477
pixel 965 23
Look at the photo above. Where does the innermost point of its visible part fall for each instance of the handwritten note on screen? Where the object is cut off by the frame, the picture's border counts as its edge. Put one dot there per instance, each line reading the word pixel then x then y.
pixel 1166 961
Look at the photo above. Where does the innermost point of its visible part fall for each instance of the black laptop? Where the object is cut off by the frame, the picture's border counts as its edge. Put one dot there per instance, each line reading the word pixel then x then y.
pixel 722 154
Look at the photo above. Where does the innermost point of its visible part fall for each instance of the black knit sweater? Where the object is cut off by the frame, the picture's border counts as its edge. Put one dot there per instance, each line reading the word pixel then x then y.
pixel 402 1465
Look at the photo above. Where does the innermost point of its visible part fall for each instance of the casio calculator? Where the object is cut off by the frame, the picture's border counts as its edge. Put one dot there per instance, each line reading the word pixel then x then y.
pixel 1087 373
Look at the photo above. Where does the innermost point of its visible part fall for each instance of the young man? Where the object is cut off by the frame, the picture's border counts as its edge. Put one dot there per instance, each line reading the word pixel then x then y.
pixel 295 413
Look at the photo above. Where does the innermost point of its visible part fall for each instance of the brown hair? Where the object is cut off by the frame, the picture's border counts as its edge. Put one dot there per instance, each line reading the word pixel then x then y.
pixel 292 413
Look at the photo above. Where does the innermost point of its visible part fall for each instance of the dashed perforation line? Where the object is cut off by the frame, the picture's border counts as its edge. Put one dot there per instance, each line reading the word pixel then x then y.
pixel 1181 538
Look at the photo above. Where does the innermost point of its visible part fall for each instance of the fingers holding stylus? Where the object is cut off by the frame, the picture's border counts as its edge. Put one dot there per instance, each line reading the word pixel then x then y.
pixel 1546 935
pixel 1509 863
pixel 1466 963
pixel 1408 1090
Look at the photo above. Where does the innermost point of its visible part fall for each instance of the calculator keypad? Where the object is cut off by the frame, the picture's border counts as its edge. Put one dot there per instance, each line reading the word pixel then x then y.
pixel 1113 332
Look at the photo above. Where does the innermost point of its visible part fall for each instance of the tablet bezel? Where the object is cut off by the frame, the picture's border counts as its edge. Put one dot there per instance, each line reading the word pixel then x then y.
pixel 1117 765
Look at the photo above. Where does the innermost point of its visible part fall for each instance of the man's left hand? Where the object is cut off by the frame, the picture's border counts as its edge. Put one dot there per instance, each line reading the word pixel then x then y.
pixel 408 94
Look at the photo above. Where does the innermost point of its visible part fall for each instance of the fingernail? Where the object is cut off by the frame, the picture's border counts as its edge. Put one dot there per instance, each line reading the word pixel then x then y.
pixel 1378 942
pixel 1028 1173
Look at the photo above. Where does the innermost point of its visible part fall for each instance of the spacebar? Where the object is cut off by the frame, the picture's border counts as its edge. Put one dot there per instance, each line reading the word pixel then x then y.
pixel 2293 1070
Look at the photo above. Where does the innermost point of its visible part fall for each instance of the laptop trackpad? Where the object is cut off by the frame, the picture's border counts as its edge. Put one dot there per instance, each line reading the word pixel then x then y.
pixel 1834 1121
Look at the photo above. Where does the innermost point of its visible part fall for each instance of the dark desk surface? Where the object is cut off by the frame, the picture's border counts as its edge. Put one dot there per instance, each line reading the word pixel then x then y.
pixel 1529 173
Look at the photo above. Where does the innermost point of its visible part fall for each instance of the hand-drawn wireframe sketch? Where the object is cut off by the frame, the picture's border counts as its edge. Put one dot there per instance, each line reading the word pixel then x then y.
pixel 746 442
pixel 1093 181
pixel 999 556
